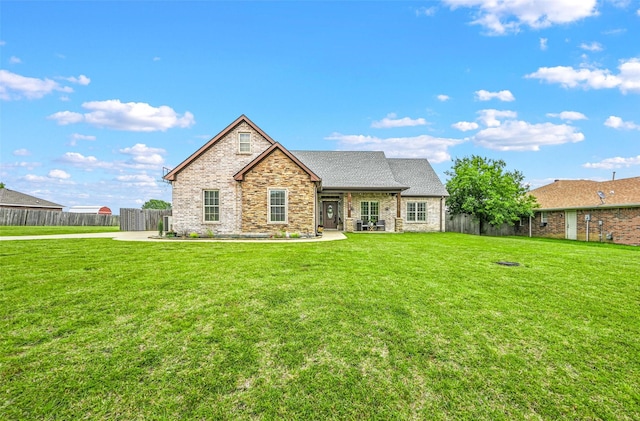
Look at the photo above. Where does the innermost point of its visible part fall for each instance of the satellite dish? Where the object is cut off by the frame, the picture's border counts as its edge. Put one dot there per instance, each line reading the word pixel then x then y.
pixel 601 196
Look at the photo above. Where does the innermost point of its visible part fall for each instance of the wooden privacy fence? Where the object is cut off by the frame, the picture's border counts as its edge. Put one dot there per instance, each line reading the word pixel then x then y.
pixel 132 219
pixel 31 217
pixel 465 224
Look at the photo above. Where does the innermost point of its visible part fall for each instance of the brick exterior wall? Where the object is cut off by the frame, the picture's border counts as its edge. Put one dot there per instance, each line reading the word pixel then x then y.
pixel 214 170
pixel 435 214
pixel 387 208
pixel 619 225
pixel 278 171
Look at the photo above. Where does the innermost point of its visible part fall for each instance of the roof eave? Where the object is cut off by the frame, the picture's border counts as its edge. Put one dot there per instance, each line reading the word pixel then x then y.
pixel 171 175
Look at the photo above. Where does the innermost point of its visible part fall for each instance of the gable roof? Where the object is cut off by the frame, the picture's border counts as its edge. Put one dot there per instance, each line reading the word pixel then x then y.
pixel 239 176
pixel 14 198
pixel 351 170
pixel 568 194
pixel 171 175
pixel 418 175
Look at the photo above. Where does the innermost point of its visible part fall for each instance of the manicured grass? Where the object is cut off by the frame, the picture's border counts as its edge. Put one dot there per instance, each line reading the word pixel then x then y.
pixel 410 326
pixel 49 230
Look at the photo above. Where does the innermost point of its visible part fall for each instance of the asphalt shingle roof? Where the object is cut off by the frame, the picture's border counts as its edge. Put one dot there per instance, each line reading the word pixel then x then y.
pixel 14 198
pixel 351 169
pixel 419 175
pixel 566 194
pixel 372 170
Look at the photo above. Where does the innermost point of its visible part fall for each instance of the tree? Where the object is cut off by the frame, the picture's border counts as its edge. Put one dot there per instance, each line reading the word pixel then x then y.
pixel 156 204
pixel 2 186
pixel 483 189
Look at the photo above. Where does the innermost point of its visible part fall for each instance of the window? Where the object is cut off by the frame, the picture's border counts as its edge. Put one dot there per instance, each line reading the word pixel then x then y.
pixel 417 211
pixel 277 205
pixel 211 200
pixel 244 142
pixel 543 217
pixel 369 212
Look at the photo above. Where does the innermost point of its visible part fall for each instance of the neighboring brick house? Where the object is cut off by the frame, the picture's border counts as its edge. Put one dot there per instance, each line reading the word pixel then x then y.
pixel 242 182
pixel 15 200
pixel 607 211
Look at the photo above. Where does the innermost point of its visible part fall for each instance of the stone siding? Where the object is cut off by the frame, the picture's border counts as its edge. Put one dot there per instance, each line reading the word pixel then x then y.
pixel 278 171
pixel 214 170
pixel 435 214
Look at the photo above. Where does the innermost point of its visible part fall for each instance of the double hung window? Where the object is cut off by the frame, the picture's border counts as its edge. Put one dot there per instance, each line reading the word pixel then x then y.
pixel 416 211
pixel 211 201
pixel 244 142
pixel 277 205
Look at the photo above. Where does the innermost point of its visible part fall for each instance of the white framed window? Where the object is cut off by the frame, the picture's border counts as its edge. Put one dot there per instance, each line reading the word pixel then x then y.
pixel 417 211
pixel 244 142
pixel 277 206
pixel 369 212
pixel 543 217
pixel 211 205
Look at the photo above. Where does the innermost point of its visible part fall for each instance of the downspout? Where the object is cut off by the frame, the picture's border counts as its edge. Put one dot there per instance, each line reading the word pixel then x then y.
pixel 529 226
pixel 441 209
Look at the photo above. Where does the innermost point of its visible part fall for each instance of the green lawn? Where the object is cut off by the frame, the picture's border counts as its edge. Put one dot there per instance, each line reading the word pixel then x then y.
pixel 48 230
pixel 410 326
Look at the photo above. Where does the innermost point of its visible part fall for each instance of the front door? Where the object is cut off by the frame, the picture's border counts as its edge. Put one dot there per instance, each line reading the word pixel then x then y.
pixel 571 225
pixel 330 214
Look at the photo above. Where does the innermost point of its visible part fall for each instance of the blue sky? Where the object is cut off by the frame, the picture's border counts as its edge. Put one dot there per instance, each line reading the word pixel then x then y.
pixel 97 97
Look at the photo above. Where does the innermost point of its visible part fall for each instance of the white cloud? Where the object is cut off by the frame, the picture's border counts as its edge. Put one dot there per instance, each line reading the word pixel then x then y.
pixel 156 58
pixel 638 12
pixel 80 80
pixel 14 60
pixel 443 97
pixel 465 126
pixel 612 163
pixel 490 117
pixel 14 86
pixel 426 11
pixel 137 180
pixel 60 174
pixel 78 160
pixel 142 154
pixel 130 116
pixel 505 95
pixel 391 121
pixel 433 148
pixel 594 46
pixel 500 17
pixel 2 43
pixel 77 136
pixel 617 123
pixel 627 80
pixel 543 44
pixel 21 152
pixel 568 115
pixel 66 117
pixel 513 135
pixel 36 178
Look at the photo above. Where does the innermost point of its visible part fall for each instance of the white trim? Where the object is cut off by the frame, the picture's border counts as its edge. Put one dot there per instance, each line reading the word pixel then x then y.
pixel 240 142
pixel 416 220
pixel 204 221
pixel 286 205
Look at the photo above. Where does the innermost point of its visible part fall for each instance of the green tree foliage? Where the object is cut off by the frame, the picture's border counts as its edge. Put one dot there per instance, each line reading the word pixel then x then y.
pixel 156 204
pixel 2 186
pixel 481 187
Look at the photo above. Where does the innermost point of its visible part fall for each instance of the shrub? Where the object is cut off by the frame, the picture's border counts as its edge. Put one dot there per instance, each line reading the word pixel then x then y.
pixel 160 227
pixel 194 235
